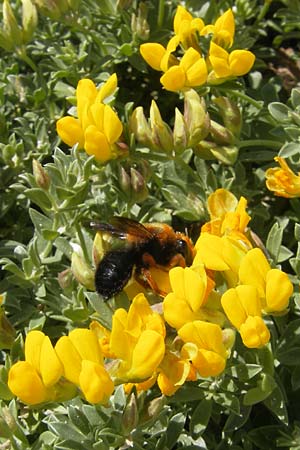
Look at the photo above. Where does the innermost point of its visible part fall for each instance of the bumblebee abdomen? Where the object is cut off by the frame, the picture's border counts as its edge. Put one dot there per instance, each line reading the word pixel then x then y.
pixel 113 272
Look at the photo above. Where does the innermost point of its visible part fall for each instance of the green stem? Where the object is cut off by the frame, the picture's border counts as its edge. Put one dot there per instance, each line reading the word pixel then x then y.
pixel 161 13
pixel 82 243
pixel 260 142
pixel 23 55
pixel 263 10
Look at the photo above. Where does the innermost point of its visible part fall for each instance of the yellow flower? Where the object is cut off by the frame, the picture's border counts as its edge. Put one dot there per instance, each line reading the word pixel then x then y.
pixel 137 340
pixel 82 360
pixel 33 380
pixel 273 285
pixel 223 30
pixel 190 290
pixel 203 346
pixel 228 65
pixel 185 28
pixel 190 71
pixel 243 308
pixel 173 372
pixel 228 216
pixel 98 127
pixel 282 180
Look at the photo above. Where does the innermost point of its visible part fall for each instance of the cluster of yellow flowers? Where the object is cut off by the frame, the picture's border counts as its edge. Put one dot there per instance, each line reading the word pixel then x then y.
pixel 98 128
pixel 195 67
pixel 282 180
pixel 229 286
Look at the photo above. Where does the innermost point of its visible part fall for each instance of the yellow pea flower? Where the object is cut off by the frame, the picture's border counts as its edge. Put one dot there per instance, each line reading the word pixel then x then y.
pixel 227 65
pixel 172 373
pixel 190 72
pixel 98 127
pixel 185 28
pixel 82 360
pixel 273 285
pixel 203 346
pixel 223 30
pixel 137 340
pixel 242 306
pixel 190 290
pixel 33 380
pixel 282 180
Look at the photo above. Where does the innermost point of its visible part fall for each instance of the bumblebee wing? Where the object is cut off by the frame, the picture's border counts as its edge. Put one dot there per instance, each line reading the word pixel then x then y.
pixel 124 228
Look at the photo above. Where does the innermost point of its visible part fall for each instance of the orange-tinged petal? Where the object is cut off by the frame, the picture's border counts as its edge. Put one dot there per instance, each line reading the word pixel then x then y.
pixel 278 290
pixel 51 368
pixel 173 79
pixel 33 345
pixel 220 202
pixel 240 62
pixel 69 130
pixel 108 88
pixel 147 355
pixel 69 358
pixel 96 144
pixel 95 382
pixel 86 343
pixel 254 332
pixel 153 54
pixel 112 125
pixel 25 383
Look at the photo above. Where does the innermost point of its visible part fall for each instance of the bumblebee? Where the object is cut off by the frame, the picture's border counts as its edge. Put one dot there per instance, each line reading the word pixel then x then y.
pixel 144 246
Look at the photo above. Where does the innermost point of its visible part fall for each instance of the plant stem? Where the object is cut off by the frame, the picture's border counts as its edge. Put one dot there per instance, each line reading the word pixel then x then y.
pixel 82 243
pixel 161 13
pixel 260 142
pixel 242 96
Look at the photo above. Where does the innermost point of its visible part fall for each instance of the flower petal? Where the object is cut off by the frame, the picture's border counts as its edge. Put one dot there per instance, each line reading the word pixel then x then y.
pixel 69 130
pixel 25 383
pixel 95 382
pixel 153 54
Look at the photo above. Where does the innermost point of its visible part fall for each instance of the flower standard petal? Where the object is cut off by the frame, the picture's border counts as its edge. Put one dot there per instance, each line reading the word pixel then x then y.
pixel 86 93
pixel 108 88
pixel 278 291
pixel 95 382
pixel 51 368
pixel 69 130
pixel 253 270
pixel 176 275
pixel 233 308
pixel 86 343
pixel 220 202
pixel 96 144
pixel 195 288
pixel 240 62
pixel 69 358
pixel 173 79
pixel 147 355
pixel 112 126
pixel 153 54
pixel 25 383
pixel 33 345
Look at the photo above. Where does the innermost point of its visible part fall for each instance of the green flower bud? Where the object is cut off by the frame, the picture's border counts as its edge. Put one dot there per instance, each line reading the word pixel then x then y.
pixel 10 25
pixel 124 4
pixel 153 409
pixel 220 134
pixel 231 114
pixel 49 8
pixel 65 278
pixel 196 118
pixel 82 272
pixel 41 177
pixel 179 132
pixel 228 338
pixel 161 133
pixel 130 415
pixel 29 19
pixel 139 24
pixel 210 150
pixel 139 126
pixel 139 187
pixel 125 181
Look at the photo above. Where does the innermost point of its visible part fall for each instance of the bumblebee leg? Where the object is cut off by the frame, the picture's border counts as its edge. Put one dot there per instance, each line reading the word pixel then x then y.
pixel 143 276
pixel 177 260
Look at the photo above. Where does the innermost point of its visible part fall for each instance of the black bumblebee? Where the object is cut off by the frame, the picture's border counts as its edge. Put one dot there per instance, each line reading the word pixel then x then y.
pixel 145 246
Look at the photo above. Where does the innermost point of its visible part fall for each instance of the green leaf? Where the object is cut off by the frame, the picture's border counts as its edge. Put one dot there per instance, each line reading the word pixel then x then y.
pixel 236 421
pixel 175 427
pixel 244 372
pixel 289 149
pixel 200 417
pixel 39 197
pixel 276 404
pixel 264 388
pixel 101 307
pixel 279 111
pixel 40 221
pixel 274 241
pixel 288 348
pixel 228 401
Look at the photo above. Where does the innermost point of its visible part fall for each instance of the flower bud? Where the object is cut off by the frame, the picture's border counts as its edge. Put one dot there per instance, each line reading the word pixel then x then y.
pixel 228 338
pixel 153 409
pixel 124 4
pixel 82 272
pixel 210 150
pixel 220 134
pixel 161 133
pixel 179 132
pixel 49 8
pixel 130 415
pixel 10 25
pixel 140 128
pixel 231 114
pixel 196 118
pixel 125 181
pixel 41 177
pixel 29 19
pixel 65 278
pixel 139 187
pixel 139 24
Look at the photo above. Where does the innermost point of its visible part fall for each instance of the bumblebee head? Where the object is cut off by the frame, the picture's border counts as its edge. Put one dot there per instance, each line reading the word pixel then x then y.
pixel 185 247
